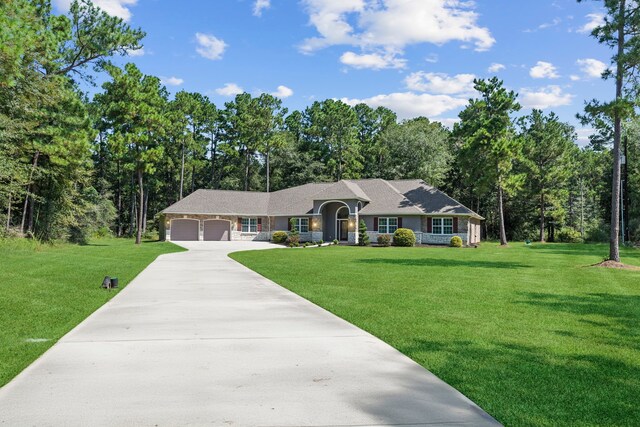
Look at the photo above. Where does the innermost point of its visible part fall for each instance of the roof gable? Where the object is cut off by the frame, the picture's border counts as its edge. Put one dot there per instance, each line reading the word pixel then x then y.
pixel 342 190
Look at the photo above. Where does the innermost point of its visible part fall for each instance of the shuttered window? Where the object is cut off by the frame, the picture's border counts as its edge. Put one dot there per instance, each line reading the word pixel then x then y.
pixel 302 224
pixel 442 225
pixel 249 225
pixel 387 225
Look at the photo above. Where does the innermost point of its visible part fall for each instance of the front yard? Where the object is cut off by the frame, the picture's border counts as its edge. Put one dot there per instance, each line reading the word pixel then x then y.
pixel 531 334
pixel 47 290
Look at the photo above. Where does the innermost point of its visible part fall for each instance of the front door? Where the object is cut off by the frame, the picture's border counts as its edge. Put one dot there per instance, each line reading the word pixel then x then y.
pixel 343 229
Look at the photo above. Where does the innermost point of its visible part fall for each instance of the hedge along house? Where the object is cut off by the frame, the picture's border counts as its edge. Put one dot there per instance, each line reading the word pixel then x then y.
pixel 322 211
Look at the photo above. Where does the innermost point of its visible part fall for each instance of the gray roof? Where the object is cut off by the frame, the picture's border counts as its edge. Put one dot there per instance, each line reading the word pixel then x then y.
pixel 379 197
pixel 342 190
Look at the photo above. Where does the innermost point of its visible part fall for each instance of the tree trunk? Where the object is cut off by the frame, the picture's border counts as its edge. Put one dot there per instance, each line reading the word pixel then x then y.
pixel 268 170
pixel 614 243
pixel 246 172
pixel 8 226
pixel 213 149
pixel 27 196
pixel 542 216
pixel 140 210
pixel 134 212
pixel 182 172
pixel 145 211
pixel 119 200
pixel 503 233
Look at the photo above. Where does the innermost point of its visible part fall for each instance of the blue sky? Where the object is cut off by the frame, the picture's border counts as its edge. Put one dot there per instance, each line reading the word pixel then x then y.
pixel 417 57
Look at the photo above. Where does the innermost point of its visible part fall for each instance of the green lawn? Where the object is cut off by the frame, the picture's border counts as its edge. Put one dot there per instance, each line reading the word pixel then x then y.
pixel 531 334
pixel 47 290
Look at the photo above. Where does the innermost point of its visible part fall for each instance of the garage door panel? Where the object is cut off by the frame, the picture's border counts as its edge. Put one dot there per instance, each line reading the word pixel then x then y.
pixel 185 230
pixel 216 230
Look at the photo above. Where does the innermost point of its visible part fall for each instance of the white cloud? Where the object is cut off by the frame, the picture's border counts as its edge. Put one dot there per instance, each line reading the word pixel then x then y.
pixel 554 23
pixel 209 46
pixel 260 5
pixel 544 70
pixel 394 24
pixel 171 81
pixel 592 68
pixel 408 104
pixel 440 83
pixel 119 8
pixel 594 20
pixel 374 61
pixel 574 78
pixel 137 52
pixel 496 67
pixel 229 89
pixel 432 58
pixel 583 136
pixel 545 97
pixel 282 92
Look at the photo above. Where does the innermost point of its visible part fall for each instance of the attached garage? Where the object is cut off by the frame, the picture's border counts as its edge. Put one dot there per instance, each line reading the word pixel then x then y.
pixel 185 229
pixel 217 229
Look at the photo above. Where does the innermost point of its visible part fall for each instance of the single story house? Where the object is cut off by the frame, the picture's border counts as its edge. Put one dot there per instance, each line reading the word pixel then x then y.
pixel 322 211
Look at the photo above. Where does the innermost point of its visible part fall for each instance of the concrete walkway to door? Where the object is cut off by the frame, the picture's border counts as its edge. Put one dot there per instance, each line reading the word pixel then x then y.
pixel 198 339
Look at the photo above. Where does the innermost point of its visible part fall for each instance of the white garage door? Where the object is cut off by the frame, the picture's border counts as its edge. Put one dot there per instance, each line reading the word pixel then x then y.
pixel 184 229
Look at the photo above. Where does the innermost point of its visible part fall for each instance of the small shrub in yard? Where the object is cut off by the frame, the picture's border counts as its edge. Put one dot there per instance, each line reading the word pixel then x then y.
pixel 456 242
pixel 335 241
pixel 569 235
pixel 306 244
pixel 384 240
pixel 363 237
pixel 293 239
pixel 404 237
pixel 279 237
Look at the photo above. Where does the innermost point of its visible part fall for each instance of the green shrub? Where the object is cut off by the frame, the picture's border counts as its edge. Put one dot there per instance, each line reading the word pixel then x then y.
pixel 384 240
pixel 404 237
pixel 306 244
pixel 597 234
pixel 456 242
pixel 279 236
pixel 569 235
pixel 363 237
pixel 293 238
pixel 335 241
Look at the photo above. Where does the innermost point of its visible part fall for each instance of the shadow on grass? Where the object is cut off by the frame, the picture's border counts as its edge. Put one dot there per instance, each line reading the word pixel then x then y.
pixel 529 385
pixel 618 314
pixel 435 262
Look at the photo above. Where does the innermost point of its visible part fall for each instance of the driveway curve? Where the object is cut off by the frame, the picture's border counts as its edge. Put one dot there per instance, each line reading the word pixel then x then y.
pixel 198 339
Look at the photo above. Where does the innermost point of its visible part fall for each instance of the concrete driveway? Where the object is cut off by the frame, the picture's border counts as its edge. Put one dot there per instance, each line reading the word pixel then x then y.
pixel 198 339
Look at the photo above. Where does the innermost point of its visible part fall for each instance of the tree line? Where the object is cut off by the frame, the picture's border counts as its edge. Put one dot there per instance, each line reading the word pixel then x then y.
pixel 73 165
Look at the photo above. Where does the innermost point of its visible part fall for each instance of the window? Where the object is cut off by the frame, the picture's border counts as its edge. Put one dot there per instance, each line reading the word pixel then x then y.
pixel 249 225
pixel 442 225
pixel 387 225
pixel 301 224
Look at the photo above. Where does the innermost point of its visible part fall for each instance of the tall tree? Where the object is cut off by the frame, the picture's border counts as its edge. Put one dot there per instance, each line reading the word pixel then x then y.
pixel 417 149
pixel 136 110
pixel 620 32
pixel 489 142
pixel 331 129
pixel 548 157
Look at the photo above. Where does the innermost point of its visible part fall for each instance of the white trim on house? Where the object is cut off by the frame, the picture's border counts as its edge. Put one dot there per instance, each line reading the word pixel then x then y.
pixel 332 201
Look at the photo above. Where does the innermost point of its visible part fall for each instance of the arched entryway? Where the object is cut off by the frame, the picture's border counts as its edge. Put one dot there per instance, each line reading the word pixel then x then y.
pixel 330 224
pixel 342 224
